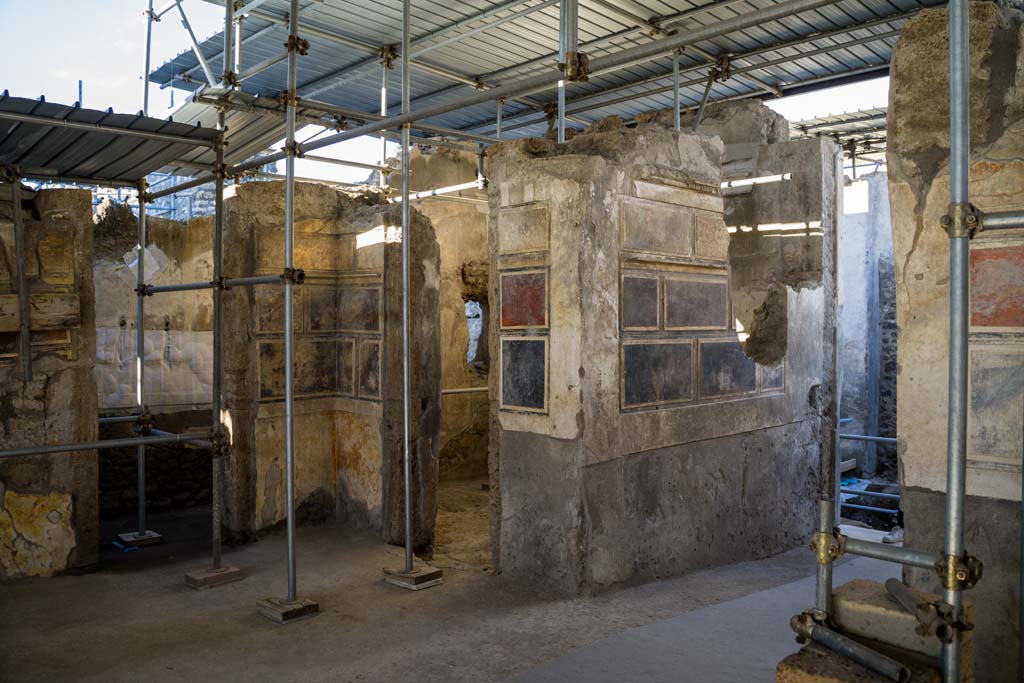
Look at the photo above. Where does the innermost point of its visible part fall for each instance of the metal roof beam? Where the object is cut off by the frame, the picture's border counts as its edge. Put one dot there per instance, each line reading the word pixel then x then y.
pixel 736 57
pixel 841 122
pixel 350 71
pixel 101 128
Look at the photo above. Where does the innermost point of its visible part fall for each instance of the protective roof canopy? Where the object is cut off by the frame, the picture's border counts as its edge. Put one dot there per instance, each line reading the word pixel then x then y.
pixel 500 41
pixel 59 141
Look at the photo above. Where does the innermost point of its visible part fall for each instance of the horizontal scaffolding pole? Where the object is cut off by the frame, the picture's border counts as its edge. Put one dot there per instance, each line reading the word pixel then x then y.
pixel 77 180
pixel 229 282
pixel 870 508
pixel 344 162
pixel 890 553
pixel 451 189
pixel 864 437
pixel 1002 220
pixel 871 494
pixel 181 187
pixel 262 66
pixel 118 419
pixel 201 443
pixel 109 443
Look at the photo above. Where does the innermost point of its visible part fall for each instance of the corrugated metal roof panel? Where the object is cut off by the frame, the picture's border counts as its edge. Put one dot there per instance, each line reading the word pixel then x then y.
pixel 814 46
pixel 48 147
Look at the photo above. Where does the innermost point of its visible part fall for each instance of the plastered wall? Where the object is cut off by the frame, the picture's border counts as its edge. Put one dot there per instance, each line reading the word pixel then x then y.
pixel 636 438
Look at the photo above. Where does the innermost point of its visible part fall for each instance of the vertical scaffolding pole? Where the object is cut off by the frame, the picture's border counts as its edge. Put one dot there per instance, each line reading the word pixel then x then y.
pixel 406 215
pixel 149 45
pixel 218 573
pixel 218 351
pixel 501 107
pixel 239 21
pixel 24 328
pixel 227 77
pixel 142 536
pixel 675 90
pixel 568 46
pixel 384 112
pixel 140 352
pixel 959 234
pixel 289 265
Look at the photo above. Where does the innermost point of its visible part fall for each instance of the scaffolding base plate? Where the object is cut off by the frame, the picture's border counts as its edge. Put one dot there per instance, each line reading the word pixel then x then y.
pixel 281 611
pixel 134 539
pixel 419 578
pixel 210 577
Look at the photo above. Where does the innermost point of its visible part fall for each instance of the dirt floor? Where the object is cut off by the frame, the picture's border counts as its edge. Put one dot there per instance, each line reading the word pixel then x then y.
pixel 135 620
pixel 462 536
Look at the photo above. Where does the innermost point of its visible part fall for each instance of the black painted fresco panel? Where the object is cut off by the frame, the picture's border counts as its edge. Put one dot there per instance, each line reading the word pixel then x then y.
pixel 696 304
pixel 639 307
pixel 523 373
pixel 725 369
pixel 657 373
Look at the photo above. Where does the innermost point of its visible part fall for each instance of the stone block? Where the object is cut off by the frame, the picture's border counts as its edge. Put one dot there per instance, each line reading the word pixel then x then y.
pixel 283 611
pixel 863 608
pixel 817 664
pixel 210 578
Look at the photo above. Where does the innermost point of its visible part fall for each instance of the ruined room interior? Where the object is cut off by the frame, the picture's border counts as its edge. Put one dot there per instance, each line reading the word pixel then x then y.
pixel 598 366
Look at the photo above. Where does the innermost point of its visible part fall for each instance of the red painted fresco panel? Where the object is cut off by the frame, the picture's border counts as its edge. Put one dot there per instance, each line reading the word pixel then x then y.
pixel 524 300
pixel 997 287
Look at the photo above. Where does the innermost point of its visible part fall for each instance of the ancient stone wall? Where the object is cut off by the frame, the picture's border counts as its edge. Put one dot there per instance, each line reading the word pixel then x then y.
pixel 918 160
pixel 347 323
pixel 632 435
pixel 461 228
pixel 48 503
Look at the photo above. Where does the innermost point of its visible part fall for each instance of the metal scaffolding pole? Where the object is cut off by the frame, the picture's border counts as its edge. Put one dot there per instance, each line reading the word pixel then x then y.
pixel 145 68
pixel 165 438
pixel 568 47
pixel 960 228
pixel 24 312
pixel 406 226
pixel 675 90
pixel 409 576
pixel 292 607
pixel 712 75
pixel 142 536
pixel 196 48
pixel 385 67
pixel 227 75
pixel 289 264
pixel 500 108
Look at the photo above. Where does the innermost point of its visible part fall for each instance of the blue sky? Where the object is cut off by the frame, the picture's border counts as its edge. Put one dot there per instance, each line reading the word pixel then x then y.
pixel 51 44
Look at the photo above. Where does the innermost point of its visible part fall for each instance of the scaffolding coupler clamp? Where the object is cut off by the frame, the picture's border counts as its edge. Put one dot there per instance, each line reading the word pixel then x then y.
pixel 144 290
pixel 220 442
pixel 218 284
pixel 388 55
pixel 287 97
pixel 295 276
pixel 297 44
pixel 144 422
pixel 963 220
pixel 576 67
pixel 9 174
pixel 827 546
pixel 959 572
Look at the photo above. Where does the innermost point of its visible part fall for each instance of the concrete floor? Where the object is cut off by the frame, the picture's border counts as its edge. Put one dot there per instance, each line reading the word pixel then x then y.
pixel 135 620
